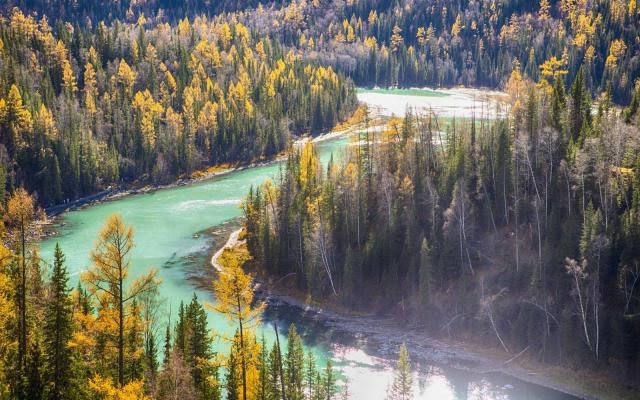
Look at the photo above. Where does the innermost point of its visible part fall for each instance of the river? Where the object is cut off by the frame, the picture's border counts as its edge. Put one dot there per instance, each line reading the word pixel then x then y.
pixel 168 225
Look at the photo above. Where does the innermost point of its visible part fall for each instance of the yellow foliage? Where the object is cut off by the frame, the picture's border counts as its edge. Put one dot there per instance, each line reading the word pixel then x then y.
pixel 373 16
pixel 553 68
pixel 225 35
pixel 15 116
pixel 457 26
pixel 396 38
pixel 543 12
pixel 149 112
pixel 93 56
pixel 90 89
pixel 45 123
pixel 173 120
pixel 126 76
pixel 616 50
pixel 371 42
pixel 309 166
pixel 207 119
pixel 184 27
pixel 69 81
pixel 104 389
pixel 21 24
pixel 7 312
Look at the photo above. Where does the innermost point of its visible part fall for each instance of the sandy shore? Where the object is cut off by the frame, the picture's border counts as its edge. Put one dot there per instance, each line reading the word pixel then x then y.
pixel 231 243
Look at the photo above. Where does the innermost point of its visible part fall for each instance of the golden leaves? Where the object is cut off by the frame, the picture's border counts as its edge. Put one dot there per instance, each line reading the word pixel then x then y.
pixel 69 81
pixel 553 68
pixel 148 112
pixel 105 389
pixel 396 38
pixel 235 294
pixel 126 77
pixel 457 26
pixel 616 50
pixel 45 123
pixel 90 88
pixel 14 116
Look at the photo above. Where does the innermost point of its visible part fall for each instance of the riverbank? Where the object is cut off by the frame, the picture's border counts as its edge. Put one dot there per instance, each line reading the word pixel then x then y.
pixel 353 123
pixel 385 334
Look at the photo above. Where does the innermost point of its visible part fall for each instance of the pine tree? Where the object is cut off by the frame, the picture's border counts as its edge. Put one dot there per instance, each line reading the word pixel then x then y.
pixel 310 374
pixel 263 372
pixel 402 389
pixel 232 381
pixel 167 344
pixel 425 276
pixel 294 365
pixel 58 330
pixel 35 383
pixel 329 381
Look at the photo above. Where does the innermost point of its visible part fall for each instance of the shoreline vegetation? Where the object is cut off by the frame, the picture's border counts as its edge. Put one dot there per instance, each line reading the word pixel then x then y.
pixel 390 333
pixel 350 125
pixel 439 182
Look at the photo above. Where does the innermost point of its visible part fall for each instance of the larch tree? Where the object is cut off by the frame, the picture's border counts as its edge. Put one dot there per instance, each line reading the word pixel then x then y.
pixel 235 294
pixel 21 220
pixel 107 279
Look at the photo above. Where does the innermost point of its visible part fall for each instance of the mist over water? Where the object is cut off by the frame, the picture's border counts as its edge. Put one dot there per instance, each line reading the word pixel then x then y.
pixel 167 224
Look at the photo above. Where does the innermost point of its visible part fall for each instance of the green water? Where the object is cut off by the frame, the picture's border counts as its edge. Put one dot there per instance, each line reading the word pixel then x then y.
pixel 166 222
pixel 404 92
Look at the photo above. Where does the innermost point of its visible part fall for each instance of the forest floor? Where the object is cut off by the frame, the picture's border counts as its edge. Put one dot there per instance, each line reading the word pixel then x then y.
pixel 384 334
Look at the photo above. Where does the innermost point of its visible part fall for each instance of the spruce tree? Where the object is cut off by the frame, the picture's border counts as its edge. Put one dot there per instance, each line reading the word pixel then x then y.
pixel 329 381
pixel 295 365
pixel 402 387
pixel 57 331
pixel 232 379
pixel 425 276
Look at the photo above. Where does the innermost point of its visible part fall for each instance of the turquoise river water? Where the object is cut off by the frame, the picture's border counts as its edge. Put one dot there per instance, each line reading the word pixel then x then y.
pixel 166 223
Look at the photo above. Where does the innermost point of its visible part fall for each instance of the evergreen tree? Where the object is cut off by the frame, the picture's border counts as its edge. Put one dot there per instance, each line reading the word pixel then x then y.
pixel 294 365
pixel 425 276
pixel 58 330
pixel 232 380
pixel 329 381
pixel 402 387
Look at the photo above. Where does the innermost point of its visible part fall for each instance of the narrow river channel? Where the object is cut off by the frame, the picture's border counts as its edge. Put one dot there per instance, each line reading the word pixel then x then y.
pixel 167 223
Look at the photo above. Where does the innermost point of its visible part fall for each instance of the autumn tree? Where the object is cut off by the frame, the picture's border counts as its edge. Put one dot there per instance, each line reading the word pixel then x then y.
pixel 22 223
pixel 107 279
pixel 234 294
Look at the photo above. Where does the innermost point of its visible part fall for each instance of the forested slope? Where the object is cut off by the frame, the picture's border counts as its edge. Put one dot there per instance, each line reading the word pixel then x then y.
pixel 106 99
pixel 83 109
pixel 425 42
pixel 521 233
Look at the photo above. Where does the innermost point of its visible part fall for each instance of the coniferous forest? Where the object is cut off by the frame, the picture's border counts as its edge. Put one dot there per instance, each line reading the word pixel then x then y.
pixel 518 233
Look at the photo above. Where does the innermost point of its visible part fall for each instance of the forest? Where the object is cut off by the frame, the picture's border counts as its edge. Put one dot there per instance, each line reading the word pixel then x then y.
pixel 424 42
pixel 107 338
pixel 86 109
pixel 150 91
pixel 521 233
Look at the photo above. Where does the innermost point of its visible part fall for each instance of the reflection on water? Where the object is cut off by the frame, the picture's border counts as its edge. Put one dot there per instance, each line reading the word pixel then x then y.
pixel 368 366
pixel 165 223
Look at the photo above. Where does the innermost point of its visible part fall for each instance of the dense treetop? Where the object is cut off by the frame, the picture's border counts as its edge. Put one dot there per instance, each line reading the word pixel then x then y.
pixel 81 110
